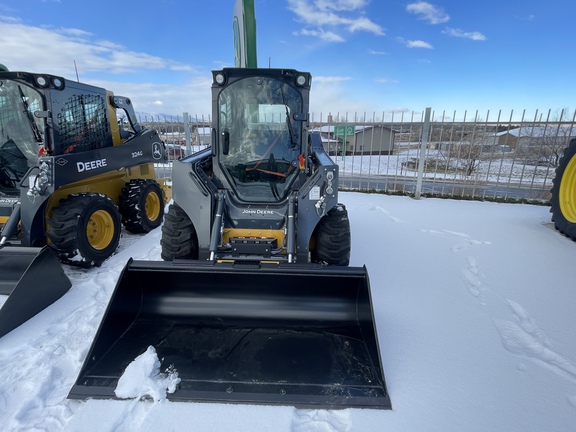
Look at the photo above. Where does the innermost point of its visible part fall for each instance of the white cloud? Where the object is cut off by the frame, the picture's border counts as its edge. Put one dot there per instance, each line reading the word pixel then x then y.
pixel 386 81
pixel 153 98
pixel 418 44
pixel 331 79
pixel 10 19
pixel 338 15
pixel 72 32
pixel 321 34
pixel 55 51
pixel 333 95
pixel 341 5
pixel 428 12
pixel 374 52
pixel 455 32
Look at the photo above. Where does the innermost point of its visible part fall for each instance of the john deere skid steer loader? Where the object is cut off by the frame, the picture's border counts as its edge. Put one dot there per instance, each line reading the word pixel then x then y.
pixel 255 302
pixel 69 176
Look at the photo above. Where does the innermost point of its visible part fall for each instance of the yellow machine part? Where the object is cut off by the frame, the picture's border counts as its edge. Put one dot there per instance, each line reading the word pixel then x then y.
pixel 166 185
pixel 110 184
pixel 567 194
pixel 255 233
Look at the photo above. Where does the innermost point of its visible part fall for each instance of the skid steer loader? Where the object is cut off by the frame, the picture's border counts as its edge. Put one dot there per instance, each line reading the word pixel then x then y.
pixel 255 302
pixel 69 177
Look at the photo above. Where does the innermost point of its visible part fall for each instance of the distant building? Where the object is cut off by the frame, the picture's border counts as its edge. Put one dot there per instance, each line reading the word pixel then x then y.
pixel 364 140
pixel 527 136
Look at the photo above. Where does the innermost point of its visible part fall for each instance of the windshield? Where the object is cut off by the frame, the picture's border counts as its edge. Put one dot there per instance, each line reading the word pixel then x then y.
pixel 260 139
pixel 21 133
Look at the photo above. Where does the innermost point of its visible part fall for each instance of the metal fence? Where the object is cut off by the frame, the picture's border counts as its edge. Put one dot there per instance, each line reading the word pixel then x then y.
pixel 502 156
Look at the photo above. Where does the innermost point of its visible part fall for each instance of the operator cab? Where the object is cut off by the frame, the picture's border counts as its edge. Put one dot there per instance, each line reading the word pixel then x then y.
pixel 260 133
pixel 21 132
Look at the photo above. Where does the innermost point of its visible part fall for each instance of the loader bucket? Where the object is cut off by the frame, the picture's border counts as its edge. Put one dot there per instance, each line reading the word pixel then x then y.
pixel 269 334
pixel 33 279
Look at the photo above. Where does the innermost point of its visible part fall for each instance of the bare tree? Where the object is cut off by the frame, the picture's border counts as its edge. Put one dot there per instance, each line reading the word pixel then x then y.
pixel 468 152
pixel 556 136
pixel 467 156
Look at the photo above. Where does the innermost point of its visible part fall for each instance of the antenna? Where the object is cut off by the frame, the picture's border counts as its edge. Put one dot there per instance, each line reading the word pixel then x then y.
pixel 76 68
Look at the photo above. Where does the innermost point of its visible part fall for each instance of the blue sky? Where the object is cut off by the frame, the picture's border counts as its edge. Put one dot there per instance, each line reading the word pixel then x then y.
pixel 365 56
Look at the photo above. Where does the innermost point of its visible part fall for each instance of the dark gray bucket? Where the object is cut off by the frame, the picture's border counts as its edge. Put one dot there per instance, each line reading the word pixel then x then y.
pixel 265 334
pixel 33 279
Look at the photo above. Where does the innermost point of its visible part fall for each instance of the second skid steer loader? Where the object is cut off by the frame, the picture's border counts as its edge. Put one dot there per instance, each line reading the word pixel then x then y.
pixel 70 176
pixel 256 302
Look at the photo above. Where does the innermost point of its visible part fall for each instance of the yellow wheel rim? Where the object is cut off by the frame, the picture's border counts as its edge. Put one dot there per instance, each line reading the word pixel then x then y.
pixel 100 230
pixel 567 194
pixel 152 206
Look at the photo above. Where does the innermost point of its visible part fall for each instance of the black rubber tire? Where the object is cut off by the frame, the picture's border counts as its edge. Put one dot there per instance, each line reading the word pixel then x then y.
pixel 141 205
pixel 332 238
pixel 84 229
pixel 563 198
pixel 179 238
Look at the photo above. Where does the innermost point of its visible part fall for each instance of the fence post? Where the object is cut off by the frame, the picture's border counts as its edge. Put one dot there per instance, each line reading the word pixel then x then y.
pixel 422 158
pixel 187 134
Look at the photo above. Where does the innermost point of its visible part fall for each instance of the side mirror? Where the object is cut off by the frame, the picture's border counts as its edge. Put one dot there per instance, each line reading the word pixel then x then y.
pixel 225 141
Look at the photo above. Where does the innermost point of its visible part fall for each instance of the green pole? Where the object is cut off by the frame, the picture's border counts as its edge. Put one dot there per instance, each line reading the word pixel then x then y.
pixel 250 34
pixel 244 30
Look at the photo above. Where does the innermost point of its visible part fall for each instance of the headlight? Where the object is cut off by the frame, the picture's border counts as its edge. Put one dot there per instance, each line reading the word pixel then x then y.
pixel 220 78
pixel 57 82
pixel 41 81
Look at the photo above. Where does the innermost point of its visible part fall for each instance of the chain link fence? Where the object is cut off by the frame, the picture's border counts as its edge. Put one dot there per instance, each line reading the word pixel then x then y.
pixel 502 156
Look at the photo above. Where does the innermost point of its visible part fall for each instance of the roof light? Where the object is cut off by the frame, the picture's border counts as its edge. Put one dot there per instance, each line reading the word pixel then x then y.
pixel 300 80
pixel 220 78
pixel 57 82
pixel 41 81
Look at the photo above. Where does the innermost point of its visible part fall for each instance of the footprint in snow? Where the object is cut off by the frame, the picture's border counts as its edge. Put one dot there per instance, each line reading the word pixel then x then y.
pixel 44 410
pixel 525 338
pixel 473 279
pixel 321 421
pixel 465 241
pixel 387 214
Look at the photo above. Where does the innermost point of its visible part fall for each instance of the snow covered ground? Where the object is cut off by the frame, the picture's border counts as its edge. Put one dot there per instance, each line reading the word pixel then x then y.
pixel 506 169
pixel 475 306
